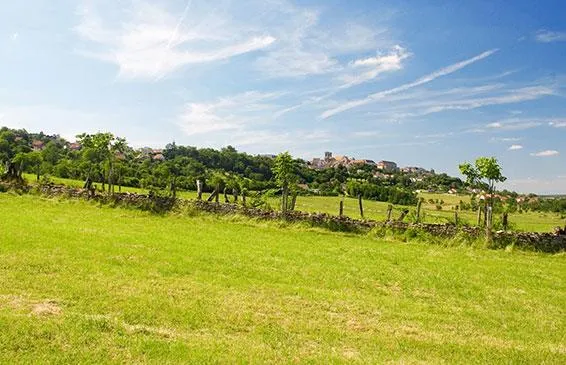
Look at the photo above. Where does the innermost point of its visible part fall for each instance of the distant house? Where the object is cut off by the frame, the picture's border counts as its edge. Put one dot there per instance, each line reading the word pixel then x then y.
pixel 415 170
pixel 75 146
pixel 317 163
pixel 387 166
pixel 37 145
pixel 303 186
pixel 158 157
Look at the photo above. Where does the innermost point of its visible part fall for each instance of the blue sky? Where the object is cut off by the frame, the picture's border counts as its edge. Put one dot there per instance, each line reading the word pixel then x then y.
pixel 429 84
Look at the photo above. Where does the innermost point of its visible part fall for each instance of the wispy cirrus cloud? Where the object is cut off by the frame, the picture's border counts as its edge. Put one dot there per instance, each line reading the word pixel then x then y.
pixel 421 81
pixel 558 123
pixel 547 36
pixel 502 97
pixel 146 40
pixel 505 139
pixel 367 69
pixel 357 72
pixel 546 153
pixel 150 40
pixel 513 125
pixel 304 47
pixel 515 147
pixel 235 112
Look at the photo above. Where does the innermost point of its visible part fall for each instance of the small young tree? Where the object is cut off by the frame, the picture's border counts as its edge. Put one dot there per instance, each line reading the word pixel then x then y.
pixel 484 174
pixel 285 172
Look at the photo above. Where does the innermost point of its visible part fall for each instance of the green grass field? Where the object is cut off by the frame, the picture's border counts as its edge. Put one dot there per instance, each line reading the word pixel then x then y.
pixel 529 221
pixel 86 284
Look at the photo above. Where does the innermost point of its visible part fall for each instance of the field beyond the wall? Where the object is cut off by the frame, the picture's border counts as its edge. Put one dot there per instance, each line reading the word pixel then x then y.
pixel 526 221
pixel 81 283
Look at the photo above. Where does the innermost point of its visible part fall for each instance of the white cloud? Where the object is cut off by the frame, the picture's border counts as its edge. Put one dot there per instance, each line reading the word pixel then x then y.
pixel 558 123
pixel 547 153
pixel 148 41
pixel 358 72
pixel 367 69
pixel 14 36
pixel 515 147
pixel 421 81
pixel 505 139
pixel 505 97
pixel 304 47
pixel 228 113
pixel 513 125
pixel 547 36
pixel 524 123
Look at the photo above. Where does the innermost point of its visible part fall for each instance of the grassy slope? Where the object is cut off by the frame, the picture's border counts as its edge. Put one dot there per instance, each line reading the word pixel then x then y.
pixel 80 283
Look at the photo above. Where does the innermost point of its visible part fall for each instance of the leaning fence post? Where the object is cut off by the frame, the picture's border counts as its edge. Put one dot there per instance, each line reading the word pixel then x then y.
pixel 403 214
pixel 361 205
pixel 419 210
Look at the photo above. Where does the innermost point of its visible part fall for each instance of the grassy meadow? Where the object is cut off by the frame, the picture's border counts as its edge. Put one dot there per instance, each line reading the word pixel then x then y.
pixel 81 283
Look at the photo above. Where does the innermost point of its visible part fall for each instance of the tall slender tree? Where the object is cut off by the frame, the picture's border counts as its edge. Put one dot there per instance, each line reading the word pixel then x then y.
pixel 285 172
pixel 485 173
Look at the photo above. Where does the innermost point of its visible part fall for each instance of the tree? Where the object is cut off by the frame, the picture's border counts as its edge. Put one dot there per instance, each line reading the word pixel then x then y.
pixel 485 173
pixel 285 172
pixel 34 160
pixel 101 150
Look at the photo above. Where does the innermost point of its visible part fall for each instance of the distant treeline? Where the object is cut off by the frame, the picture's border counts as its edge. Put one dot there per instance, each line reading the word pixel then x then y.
pixel 110 162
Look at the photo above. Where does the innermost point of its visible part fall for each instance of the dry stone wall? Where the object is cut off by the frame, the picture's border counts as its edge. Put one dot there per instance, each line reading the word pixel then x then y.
pixel 544 242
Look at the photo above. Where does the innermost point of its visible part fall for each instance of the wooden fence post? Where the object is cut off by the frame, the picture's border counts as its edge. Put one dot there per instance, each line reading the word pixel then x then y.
pixel 479 216
pixel 456 218
pixel 217 196
pixel 419 210
pixel 341 208
pixel 488 223
pixel 244 198
pixel 361 205
pixel 199 190
pixel 505 221
pixel 403 214
pixel 226 200
pixel 389 212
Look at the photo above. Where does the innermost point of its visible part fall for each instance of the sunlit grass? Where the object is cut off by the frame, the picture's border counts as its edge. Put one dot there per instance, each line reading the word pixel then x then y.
pixel 86 284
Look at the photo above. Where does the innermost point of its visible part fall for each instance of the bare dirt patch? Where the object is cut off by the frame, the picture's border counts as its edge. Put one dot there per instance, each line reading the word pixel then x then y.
pixel 46 308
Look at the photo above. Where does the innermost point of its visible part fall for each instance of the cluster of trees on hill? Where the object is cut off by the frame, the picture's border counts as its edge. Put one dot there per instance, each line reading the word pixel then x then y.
pixel 109 162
